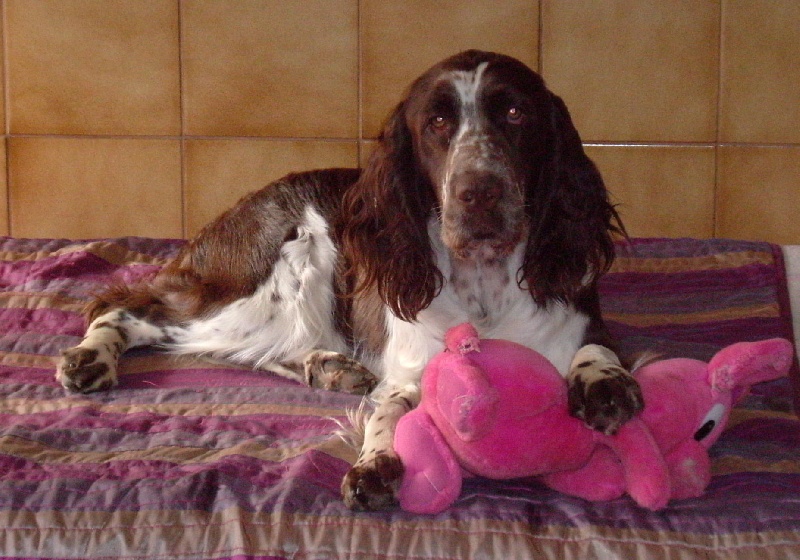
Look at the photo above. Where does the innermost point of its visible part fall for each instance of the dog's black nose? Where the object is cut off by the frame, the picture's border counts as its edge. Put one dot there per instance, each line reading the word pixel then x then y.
pixel 478 190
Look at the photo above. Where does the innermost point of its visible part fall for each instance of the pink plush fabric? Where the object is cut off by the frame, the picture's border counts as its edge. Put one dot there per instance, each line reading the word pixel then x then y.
pixel 499 410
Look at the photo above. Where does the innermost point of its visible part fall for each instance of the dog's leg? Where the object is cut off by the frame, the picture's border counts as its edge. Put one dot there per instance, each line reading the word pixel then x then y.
pixel 374 479
pixel 601 391
pixel 92 365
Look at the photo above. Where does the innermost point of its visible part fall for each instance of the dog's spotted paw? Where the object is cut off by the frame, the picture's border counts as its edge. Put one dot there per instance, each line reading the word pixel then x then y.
pixel 606 401
pixel 336 372
pixel 373 485
pixel 84 370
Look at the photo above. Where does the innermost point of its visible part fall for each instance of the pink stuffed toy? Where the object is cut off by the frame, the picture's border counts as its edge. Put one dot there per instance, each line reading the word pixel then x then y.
pixel 497 409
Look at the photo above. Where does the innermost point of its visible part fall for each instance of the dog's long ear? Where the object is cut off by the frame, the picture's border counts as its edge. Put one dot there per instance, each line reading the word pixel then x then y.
pixel 385 227
pixel 572 221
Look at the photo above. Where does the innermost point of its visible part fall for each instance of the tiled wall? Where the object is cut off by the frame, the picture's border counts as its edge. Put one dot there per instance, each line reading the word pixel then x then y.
pixel 148 117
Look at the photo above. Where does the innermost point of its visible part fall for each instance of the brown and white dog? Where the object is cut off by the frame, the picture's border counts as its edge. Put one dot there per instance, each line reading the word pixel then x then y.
pixel 479 204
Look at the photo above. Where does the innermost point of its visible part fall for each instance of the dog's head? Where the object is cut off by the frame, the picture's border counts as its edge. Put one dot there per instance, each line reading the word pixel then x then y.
pixel 482 145
pixel 475 124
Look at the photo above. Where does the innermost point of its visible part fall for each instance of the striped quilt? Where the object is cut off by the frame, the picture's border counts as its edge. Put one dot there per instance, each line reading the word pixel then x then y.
pixel 189 459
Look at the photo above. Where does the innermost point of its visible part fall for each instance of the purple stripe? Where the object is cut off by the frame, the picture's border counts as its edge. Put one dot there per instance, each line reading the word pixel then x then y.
pixel 207 378
pixel 12 377
pixel 670 303
pixel 764 439
pixel 33 343
pixel 719 333
pixel 240 557
pixel 84 286
pixel 635 345
pixel 756 502
pixel 290 394
pixel 243 557
pixel 672 248
pixel 69 265
pixel 49 321
pixel 267 431
pixel 23 246
pixel 695 283
pixel 142 474
pixel 299 484
pixel 234 557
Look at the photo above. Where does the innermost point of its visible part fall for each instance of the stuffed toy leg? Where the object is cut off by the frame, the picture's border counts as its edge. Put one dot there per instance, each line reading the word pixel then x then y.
pixel 432 477
pixel 627 462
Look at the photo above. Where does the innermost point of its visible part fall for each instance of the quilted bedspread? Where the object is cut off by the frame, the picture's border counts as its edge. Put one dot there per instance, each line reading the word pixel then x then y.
pixel 190 459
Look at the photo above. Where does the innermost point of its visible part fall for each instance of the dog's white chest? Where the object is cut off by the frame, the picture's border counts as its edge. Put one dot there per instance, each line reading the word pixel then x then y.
pixel 484 291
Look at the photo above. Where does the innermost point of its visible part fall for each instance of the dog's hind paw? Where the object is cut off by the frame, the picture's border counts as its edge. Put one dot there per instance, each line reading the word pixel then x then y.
pixel 84 370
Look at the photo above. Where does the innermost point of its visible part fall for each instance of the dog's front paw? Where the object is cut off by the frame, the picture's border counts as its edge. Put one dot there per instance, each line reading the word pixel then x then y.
pixel 373 485
pixel 336 372
pixel 605 402
pixel 84 370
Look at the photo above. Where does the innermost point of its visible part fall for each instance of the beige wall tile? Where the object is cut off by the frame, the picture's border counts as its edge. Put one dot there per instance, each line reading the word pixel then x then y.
pixel 661 191
pixel 759 193
pixel 94 187
pixel 634 70
pixel 400 40
pixel 219 172
pixel 760 93
pixel 3 191
pixel 93 66
pixel 270 67
pixel 5 82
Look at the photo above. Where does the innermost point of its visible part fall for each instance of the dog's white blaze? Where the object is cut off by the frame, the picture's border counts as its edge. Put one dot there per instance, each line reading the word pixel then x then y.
pixel 288 316
pixel 467 84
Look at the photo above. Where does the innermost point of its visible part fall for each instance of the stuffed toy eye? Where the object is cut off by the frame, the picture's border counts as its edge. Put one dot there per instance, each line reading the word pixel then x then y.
pixel 710 422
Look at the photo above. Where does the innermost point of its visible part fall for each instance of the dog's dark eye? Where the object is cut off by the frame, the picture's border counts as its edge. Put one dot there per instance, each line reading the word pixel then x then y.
pixel 439 123
pixel 515 115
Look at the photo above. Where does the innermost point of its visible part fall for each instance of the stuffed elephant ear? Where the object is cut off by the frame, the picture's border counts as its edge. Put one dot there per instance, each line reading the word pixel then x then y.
pixel 432 476
pixel 743 364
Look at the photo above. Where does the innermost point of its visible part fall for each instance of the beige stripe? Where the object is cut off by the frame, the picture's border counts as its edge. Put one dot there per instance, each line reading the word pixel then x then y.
pixel 165 361
pixel 29 406
pixel 28 360
pixel 726 314
pixel 734 465
pixel 129 364
pixel 38 300
pixel 180 455
pixel 739 415
pixel 172 534
pixel 717 261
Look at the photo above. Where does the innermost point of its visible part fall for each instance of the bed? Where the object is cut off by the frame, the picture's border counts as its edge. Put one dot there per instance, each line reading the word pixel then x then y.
pixel 190 459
